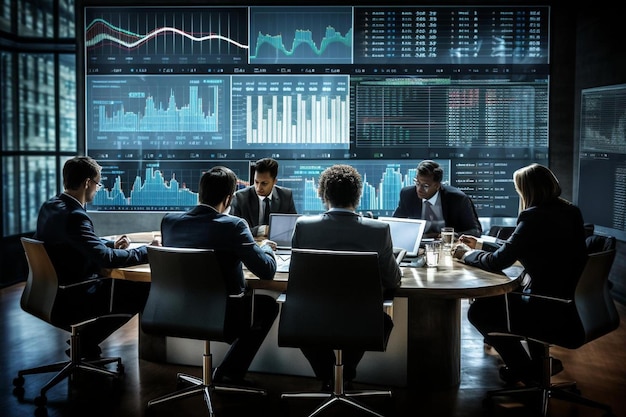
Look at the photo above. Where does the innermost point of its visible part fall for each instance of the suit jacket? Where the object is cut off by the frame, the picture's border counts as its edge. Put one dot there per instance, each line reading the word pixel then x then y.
pixel 458 209
pixel 75 250
pixel 549 241
pixel 343 230
pixel 245 204
pixel 230 237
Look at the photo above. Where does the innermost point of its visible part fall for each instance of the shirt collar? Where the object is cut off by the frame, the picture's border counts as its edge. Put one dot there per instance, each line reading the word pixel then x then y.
pixel 75 199
pixel 433 199
pixel 261 198
pixel 211 207
pixel 340 209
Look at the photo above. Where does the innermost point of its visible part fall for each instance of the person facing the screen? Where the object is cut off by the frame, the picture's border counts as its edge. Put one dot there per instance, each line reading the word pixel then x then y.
pixel 440 205
pixel 78 254
pixel 208 226
pixel 549 241
pixel 256 202
pixel 341 228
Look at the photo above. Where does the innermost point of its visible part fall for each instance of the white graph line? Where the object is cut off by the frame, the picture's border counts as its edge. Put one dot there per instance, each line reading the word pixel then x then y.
pixel 105 36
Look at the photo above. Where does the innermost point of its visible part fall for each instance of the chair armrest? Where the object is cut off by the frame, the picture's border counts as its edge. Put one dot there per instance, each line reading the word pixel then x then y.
pixel 85 282
pixel 543 297
pixel 240 295
pixel 531 295
pixel 112 316
pixel 388 307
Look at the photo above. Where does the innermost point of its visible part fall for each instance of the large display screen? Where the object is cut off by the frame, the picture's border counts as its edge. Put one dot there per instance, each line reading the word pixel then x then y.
pixel 601 180
pixel 171 90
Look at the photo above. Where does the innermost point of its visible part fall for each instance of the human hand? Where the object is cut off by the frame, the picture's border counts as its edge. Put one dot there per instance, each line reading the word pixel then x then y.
pixel 156 240
pixel 270 243
pixel 459 250
pixel 122 242
pixel 468 240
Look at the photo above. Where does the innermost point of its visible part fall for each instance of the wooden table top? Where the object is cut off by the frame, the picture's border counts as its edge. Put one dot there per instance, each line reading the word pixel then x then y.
pixel 455 281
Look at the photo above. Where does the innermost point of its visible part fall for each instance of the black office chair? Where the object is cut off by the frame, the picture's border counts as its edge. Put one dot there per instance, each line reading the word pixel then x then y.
pixel 501 232
pixel 593 315
pixel 598 243
pixel 40 298
pixel 188 298
pixel 334 300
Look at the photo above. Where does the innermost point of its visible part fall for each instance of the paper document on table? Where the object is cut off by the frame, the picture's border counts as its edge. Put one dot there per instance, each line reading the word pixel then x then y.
pixel 282 262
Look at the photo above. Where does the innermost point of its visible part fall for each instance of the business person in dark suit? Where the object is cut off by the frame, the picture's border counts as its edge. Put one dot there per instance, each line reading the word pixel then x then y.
pixel 208 226
pixel 249 203
pixel 450 206
pixel 341 228
pixel 78 254
pixel 549 241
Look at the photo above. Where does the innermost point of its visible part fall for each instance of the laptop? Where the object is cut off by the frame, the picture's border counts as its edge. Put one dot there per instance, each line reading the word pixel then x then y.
pixel 406 234
pixel 281 229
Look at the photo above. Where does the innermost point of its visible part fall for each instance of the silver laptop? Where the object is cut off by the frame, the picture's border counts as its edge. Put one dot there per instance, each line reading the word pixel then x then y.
pixel 281 229
pixel 405 233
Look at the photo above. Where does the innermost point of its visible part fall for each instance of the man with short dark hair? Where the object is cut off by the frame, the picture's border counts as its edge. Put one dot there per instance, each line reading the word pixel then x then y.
pixel 78 254
pixel 208 226
pixel 341 228
pixel 440 205
pixel 251 203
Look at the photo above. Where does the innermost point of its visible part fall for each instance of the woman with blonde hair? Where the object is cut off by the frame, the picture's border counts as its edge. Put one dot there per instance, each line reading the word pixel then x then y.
pixel 549 242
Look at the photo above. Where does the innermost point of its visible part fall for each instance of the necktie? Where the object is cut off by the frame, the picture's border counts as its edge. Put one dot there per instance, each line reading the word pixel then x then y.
pixel 266 210
pixel 429 214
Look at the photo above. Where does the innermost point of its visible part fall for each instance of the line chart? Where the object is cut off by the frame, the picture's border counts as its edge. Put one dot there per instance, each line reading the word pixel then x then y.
pixel 185 35
pixel 140 39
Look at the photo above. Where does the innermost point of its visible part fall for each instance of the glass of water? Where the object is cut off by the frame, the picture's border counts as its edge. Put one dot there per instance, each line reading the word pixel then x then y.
pixel 447 238
pixel 432 250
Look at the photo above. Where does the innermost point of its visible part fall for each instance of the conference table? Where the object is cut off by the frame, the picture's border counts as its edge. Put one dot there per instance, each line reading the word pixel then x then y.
pixel 427 318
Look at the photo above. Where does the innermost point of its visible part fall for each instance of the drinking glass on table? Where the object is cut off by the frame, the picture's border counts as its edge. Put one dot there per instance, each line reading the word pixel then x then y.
pixel 432 250
pixel 447 238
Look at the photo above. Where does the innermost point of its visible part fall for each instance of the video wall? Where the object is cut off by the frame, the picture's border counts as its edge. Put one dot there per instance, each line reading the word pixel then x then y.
pixel 171 90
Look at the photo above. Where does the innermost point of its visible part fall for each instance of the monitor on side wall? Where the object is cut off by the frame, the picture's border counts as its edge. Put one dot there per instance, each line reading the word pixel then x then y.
pixel 600 190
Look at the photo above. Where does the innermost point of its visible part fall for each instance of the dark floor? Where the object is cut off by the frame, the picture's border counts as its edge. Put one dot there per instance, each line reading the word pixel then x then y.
pixel 599 368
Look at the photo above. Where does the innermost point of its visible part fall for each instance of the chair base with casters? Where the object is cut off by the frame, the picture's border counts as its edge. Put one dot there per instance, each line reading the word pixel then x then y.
pixel 339 395
pixel 565 391
pixel 345 323
pixel 202 385
pixel 189 299
pixel 68 369
pixel 593 308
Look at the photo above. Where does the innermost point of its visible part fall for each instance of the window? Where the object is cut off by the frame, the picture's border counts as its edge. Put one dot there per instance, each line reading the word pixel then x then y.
pixel 38 111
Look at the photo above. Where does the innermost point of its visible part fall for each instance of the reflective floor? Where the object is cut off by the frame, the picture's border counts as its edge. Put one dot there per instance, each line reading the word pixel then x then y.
pixel 599 369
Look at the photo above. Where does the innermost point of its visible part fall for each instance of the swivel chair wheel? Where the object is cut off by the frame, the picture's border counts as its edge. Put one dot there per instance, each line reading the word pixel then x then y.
pixel 41 412
pixel 18 381
pixel 41 401
pixel 19 392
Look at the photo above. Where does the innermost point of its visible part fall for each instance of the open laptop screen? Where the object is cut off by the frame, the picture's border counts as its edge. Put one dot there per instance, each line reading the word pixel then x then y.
pixel 281 229
pixel 406 233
